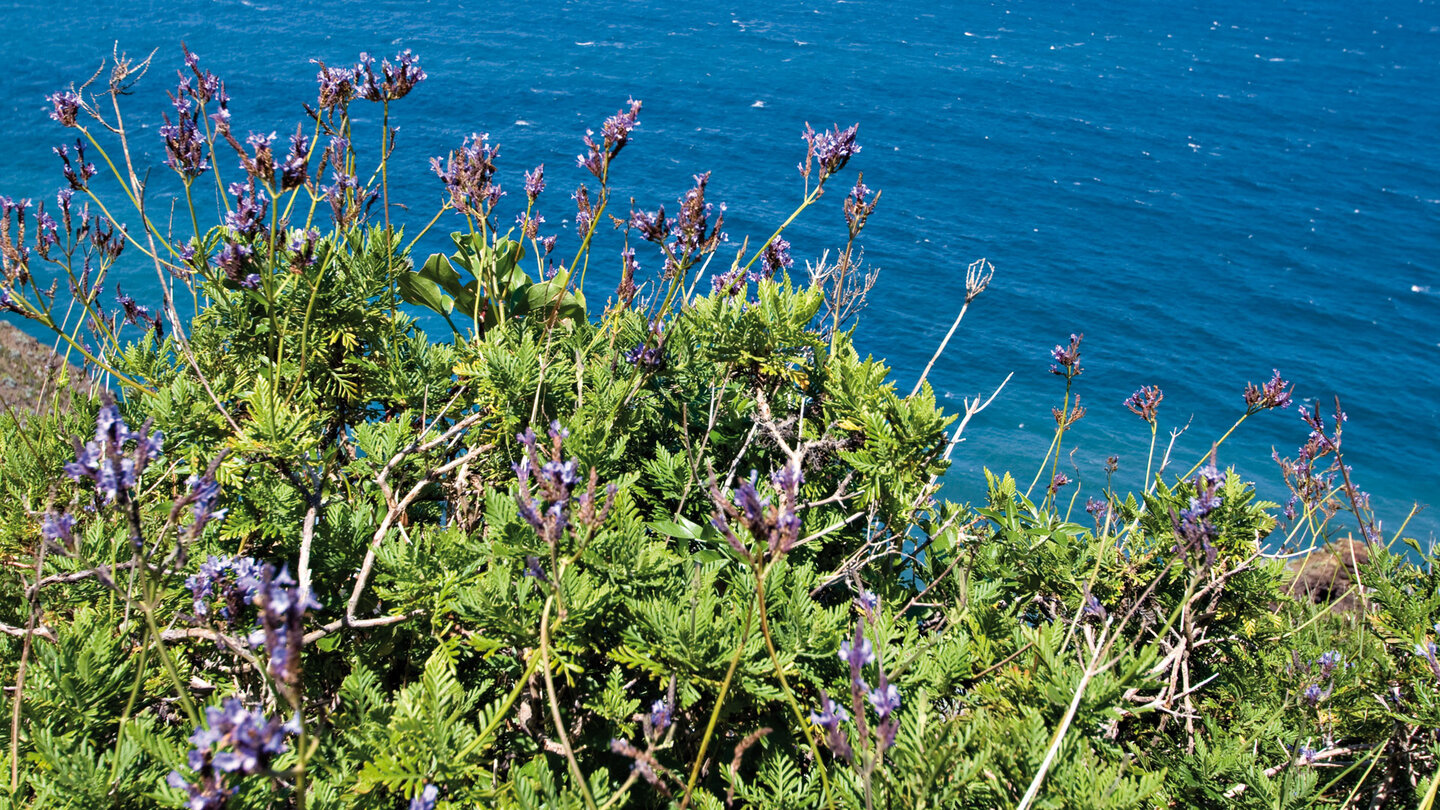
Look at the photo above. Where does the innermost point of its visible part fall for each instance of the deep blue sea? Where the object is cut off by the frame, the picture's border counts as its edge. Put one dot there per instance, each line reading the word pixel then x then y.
pixel 1206 191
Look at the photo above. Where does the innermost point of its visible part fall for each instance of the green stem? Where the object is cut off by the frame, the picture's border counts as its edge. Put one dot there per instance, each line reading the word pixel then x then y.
pixel 805 725
pixel 719 704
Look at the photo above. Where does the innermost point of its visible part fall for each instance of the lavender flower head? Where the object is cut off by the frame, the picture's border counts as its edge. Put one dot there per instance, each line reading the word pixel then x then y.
pixel 1144 402
pixel 614 134
pixel 885 699
pixel 79 173
pixel 58 528
pixel 283 608
pixel 1273 394
pixel 777 524
pixel 337 86
pixel 829 150
pixel 185 148
pixel 1067 358
pixel 830 717
pixel 64 107
pixel 234 742
pixel 224 586
pixel 776 257
pixel 649 354
pixel 547 493
pixel 468 176
pixel 397 79
pixel 535 182
pixel 857 653
pixel 660 717
pixel 868 602
pixel 1194 530
pixel 106 461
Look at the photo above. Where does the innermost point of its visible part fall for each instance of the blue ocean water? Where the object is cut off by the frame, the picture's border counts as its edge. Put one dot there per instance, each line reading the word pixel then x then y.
pixel 1206 191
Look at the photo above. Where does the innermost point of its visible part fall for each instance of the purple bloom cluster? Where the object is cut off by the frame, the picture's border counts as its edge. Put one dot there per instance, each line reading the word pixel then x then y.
pixel 1194 530
pixel 1310 483
pixel 58 528
pixel 282 622
pixel 185 148
pixel 337 86
pixel 224 586
pixel 64 107
pixel 1329 662
pixel 302 249
pixel 614 134
pixel 1098 509
pixel 829 150
pixel 137 315
pixel 344 206
pixel 626 290
pixel 79 173
pixel 1067 358
pixel 395 81
pixel 1057 481
pixel 649 354
pixel 692 234
pixel 1315 695
pixel 857 209
pixel 469 174
pixel 777 525
pixel 584 212
pixel 1273 394
pixel 261 165
pixel 293 171
pixel 1145 402
pixel 660 717
pixel 547 495
pixel 534 183
pixel 858 653
pixel 14 252
pixel 830 717
pixel 235 741
pixel 105 459
pixel 776 257
pixel 1093 608
pixel 651 225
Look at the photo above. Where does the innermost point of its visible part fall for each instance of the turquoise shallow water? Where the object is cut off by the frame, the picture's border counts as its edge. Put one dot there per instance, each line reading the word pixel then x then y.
pixel 1206 191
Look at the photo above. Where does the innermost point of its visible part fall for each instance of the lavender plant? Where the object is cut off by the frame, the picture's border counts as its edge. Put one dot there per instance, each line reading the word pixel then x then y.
pixel 673 545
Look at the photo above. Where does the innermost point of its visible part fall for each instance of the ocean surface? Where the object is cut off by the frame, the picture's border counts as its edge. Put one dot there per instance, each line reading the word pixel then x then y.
pixel 1206 190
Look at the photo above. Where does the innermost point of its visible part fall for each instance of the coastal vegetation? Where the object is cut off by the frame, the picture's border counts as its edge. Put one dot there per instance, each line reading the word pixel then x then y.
pixel 675 544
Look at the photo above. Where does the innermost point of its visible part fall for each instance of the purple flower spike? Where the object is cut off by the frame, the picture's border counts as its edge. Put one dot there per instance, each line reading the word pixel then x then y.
pixel 830 717
pixel 660 717
pixel 64 107
pixel 1144 402
pixel 58 528
pixel 1067 358
pixel 1274 394
pixel 885 698
pixel 858 652
pixel 234 740
pixel 396 80
pixel 337 86
pixel 535 182
pixel 776 257
pixel 829 150
pixel 614 134
pixel 468 175
pixel 106 460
